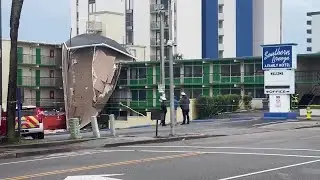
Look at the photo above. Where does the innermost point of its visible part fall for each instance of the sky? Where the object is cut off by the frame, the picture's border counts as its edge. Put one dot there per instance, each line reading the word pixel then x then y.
pixel 49 20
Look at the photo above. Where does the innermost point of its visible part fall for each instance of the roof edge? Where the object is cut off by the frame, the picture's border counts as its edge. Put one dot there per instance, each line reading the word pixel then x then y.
pixel 95 45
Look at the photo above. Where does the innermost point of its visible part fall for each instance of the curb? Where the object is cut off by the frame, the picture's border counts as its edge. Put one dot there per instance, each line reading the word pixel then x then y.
pixel 36 153
pixel 273 122
pixel 307 127
pixel 46 144
pixel 224 119
pixel 160 140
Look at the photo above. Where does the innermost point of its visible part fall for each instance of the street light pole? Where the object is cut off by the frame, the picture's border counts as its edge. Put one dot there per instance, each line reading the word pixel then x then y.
pixel 170 46
pixel 161 14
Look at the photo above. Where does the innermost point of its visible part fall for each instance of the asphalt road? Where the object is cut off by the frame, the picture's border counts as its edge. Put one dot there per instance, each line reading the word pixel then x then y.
pixel 283 155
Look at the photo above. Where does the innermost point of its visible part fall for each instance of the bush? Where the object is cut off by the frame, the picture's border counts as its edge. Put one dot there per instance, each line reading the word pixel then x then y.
pixel 207 107
pixel 247 101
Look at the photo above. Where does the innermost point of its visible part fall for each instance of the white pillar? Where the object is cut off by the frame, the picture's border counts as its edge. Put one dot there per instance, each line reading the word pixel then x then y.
pixel 95 126
pixel 112 125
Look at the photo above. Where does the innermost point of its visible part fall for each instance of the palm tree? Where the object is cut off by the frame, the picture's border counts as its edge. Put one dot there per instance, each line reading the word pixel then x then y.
pixel 16 8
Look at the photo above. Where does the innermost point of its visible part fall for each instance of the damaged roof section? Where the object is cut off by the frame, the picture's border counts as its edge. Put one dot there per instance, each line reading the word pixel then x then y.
pixel 95 40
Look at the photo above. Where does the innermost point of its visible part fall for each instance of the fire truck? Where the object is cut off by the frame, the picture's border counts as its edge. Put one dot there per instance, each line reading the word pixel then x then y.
pixel 31 122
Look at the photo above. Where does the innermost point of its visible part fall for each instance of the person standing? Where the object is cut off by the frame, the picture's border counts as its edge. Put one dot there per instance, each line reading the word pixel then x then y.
pixel 176 105
pixel 184 104
pixel 163 111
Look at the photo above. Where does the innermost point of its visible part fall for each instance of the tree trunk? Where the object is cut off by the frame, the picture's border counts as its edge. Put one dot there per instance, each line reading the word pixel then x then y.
pixel 12 85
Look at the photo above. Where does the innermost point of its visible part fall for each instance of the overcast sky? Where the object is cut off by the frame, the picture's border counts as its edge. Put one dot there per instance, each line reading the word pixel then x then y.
pixel 49 21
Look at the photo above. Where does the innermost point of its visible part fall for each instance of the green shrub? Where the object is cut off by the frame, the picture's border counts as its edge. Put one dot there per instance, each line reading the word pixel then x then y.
pixel 207 107
pixel 247 100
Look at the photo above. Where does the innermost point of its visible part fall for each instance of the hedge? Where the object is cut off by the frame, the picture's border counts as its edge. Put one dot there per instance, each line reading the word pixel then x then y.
pixel 207 107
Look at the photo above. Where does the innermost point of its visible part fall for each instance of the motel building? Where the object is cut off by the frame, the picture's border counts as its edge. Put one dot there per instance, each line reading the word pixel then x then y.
pixel 137 89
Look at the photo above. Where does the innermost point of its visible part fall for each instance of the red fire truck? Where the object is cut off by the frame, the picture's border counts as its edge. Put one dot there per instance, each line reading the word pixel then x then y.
pixel 31 122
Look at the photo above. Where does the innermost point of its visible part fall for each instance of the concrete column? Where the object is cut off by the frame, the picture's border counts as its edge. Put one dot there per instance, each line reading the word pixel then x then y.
pixel 112 125
pixel 95 126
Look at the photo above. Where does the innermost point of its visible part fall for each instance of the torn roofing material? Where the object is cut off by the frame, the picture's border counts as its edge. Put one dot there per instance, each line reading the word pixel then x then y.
pixel 91 40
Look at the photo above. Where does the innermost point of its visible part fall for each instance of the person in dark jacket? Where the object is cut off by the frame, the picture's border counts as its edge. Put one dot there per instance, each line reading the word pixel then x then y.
pixel 184 104
pixel 163 111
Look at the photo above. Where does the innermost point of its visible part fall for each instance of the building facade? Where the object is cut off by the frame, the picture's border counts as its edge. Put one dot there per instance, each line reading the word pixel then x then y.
pixel 201 28
pixel 137 89
pixel 38 74
pixel 313 26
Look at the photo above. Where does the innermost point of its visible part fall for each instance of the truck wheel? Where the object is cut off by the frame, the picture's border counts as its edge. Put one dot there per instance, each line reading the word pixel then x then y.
pixel 40 135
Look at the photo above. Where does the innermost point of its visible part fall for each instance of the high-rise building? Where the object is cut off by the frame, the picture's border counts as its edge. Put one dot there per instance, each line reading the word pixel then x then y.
pixel 313 26
pixel 201 28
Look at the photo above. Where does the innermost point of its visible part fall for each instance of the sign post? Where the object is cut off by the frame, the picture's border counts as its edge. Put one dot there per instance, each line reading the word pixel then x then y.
pixel 279 62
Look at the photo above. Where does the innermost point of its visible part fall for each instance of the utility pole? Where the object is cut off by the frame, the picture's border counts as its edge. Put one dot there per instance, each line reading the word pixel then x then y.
pixel 161 14
pixel 170 46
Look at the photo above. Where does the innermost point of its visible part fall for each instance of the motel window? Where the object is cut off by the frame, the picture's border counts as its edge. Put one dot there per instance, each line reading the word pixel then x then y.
pixel 220 39
pixel 138 94
pixel 220 24
pixel 249 69
pixel 309 40
pixel 142 73
pixel 220 53
pixel 309 22
pixel 235 70
pixel 220 8
pixel 176 72
pixel 225 70
pixel 51 53
pixel 187 71
pixel 309 49
pixel 51 94
pixel 309 31
pixel 197 71
pixel 133 73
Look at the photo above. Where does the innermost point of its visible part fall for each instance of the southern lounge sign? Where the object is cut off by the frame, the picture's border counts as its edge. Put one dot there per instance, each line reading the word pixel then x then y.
pixel 280 56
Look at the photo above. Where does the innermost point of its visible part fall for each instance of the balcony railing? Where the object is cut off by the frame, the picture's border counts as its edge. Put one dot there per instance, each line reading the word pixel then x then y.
pixel 44 102
pixel 156 42
pixel 195 79
pixel 156 25
pixel 29 81
pixel 27 59
pixel 156 7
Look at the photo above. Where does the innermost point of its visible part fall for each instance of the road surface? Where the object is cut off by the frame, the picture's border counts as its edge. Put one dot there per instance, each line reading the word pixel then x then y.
pixel 291 154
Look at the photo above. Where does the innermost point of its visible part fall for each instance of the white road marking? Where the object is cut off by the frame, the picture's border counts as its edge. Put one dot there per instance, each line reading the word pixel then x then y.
pixel 59 157
pixel 232 153
pixel 242 148
pixel 270 170
pixel 94 177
